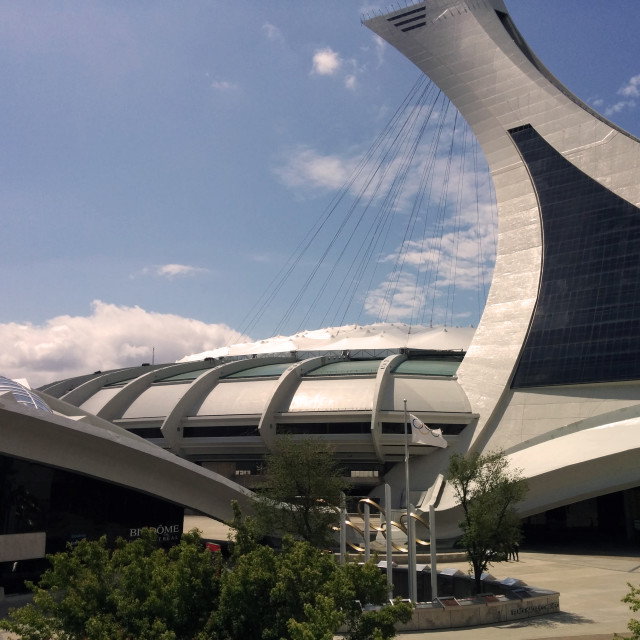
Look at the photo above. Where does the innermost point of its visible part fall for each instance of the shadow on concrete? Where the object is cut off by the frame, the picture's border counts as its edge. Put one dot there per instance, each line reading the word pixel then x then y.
pixel 538 623
pixel 581 548
pixel 541 622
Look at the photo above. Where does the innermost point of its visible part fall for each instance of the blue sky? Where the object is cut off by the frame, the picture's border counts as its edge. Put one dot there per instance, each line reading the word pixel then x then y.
pixel 161 160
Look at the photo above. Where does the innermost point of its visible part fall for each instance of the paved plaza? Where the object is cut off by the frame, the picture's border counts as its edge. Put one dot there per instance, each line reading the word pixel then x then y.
pixel 590 587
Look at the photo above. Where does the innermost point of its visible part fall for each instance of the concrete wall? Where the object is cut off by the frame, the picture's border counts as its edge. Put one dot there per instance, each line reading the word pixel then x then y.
pixel 473 612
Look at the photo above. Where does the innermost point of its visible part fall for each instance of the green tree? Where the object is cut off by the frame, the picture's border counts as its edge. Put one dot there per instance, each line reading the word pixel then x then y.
pixel 302 491
pixel 302 593
pixel 299 593
pixel 633 600
pixel 137 590
pixel 488 492
pixel 358 584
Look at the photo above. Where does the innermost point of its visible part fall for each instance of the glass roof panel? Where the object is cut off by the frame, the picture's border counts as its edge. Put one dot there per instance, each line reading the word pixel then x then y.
pixel 428 367
pixel 186 376
pixel 121 383
pixel 347 368
pixel 264 371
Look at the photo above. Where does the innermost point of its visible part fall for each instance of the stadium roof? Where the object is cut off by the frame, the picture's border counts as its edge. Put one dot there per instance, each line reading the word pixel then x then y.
pixel 374 337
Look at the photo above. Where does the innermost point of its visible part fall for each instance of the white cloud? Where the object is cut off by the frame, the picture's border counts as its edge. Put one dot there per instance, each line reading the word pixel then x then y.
pixel 381 46
pixel 632 88
pixel 172 271
pixel 629 91
pixel 397 300
pixel 420 221
pixel 305 167
pixel 223 85
pixel 460 261
pixel 326 62
pixel 272 32
pixel 619 106
pixel 456 257
pixel 451 254
pixel 111 337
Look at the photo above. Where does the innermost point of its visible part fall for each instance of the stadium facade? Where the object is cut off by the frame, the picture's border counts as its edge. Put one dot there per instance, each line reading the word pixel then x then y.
pixel 225 409
pixel 551 375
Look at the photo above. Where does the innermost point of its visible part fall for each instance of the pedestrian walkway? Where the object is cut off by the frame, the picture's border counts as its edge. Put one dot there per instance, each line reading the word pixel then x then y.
pixel 590 586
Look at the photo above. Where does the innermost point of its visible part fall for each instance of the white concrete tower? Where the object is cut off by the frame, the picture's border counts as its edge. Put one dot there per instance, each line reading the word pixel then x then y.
pixel 556 355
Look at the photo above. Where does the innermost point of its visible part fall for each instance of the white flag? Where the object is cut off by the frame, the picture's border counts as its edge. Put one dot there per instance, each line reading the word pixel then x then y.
pixel 421 434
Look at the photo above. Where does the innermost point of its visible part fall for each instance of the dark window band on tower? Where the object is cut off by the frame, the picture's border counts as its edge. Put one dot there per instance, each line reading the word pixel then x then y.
pixel 587 319
pixel 415 26
pixel 421 10
pixel 409 21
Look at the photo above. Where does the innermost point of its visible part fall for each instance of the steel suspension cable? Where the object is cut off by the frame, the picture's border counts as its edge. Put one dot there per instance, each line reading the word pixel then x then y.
pixel 383 220
pixel 389 152
pixel 257 311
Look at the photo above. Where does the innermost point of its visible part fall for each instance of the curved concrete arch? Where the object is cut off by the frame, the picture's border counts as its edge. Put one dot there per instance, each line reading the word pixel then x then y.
pixel 562 471
pixel 286 383
pixel 204 383
pixel 116 456
pixel 60 387
pixel 85 390
pixel 382 378
pixel 72 412
pixel 117 405
pixel 593 422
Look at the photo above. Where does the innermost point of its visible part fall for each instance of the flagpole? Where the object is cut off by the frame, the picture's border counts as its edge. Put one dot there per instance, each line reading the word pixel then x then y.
pixel 343 528
pixel 406 460
pixel 432 549
pixel 411 542
pixel 388 534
